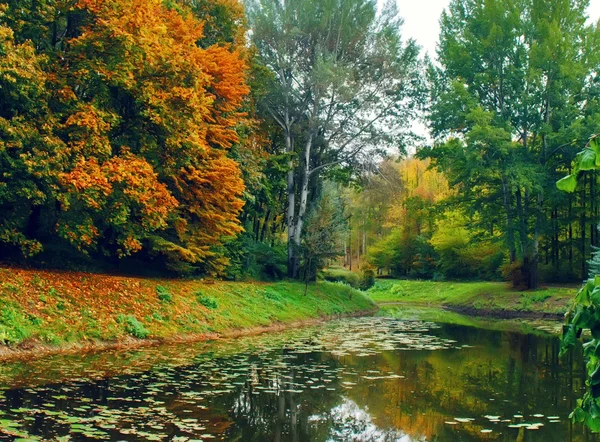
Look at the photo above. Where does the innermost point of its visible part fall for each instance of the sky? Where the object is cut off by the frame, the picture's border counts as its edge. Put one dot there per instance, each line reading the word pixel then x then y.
pixel 421 20
pixel 421 23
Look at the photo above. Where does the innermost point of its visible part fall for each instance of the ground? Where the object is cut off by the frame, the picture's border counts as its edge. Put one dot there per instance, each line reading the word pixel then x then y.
pixel 43 311
pixel 56 308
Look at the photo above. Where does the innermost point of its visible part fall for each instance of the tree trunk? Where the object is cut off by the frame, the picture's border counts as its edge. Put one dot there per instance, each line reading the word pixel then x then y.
pixel 303 203
pixel 291 194
pixel 533 272
pixel 510 230
pixel 265 226
pixel 526 252
pixel 350 251
pixel 582 226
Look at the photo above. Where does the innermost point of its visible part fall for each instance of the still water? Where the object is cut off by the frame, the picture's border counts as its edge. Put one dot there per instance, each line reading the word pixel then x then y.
pixel 365 379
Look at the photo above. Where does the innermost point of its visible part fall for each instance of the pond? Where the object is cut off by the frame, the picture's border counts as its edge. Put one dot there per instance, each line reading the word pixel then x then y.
pixel 397 377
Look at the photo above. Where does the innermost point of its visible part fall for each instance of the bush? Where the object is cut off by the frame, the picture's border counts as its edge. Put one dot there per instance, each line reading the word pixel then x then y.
pixel 164 294
pixel 368 279
pixel 563 274
pixel 14 326
pixel 256 259
pixel 340 274
pixel 513 272
pixel 133 326
pixel 207 301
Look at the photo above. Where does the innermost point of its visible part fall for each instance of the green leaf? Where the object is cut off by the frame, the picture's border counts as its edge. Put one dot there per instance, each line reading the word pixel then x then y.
pixel 567 184
pixel 583 296
pixel 569 338
pixel 593 422
pixel 595 376
pixel 595 296
pixel 596 148
pixel 578 414
pixel 586 159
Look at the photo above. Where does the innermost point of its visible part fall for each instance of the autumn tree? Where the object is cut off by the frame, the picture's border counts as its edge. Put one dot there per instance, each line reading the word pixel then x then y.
pixel 404 197
pixel 28 144
pixel 142 109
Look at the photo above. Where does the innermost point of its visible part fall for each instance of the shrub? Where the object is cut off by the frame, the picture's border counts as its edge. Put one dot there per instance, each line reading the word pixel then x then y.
pixel 14 326
pixel 339 274
pixel 207 301
pixel 564 273
pixel 514 273
pixel 133 326
pixel 368 279
pixel 255 259
pixel 164 294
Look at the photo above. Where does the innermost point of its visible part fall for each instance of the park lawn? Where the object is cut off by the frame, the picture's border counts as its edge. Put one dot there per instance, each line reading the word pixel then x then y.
pixel 474 296
pixel 58 307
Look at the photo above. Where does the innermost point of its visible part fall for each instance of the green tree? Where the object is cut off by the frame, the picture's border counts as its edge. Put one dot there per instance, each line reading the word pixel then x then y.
pixel 344 83
pixel 325 230
pixel 510 86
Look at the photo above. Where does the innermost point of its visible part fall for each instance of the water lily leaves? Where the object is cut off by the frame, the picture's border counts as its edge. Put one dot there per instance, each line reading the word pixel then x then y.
pixel 195 397
pixel 463 420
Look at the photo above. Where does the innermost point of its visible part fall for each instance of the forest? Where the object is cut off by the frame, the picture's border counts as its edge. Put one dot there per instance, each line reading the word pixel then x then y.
pixel 208 137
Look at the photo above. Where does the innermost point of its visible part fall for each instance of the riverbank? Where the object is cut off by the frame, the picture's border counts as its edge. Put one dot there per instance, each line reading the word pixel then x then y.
pixel 44 312
pixel 494 299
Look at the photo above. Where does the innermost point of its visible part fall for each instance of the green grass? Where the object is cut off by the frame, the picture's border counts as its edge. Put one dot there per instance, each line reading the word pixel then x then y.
pixel 57 308
pixel 491 296
pixel 251 305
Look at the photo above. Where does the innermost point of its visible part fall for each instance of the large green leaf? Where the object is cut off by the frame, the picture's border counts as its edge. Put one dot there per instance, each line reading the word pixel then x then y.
pixel 586 159
pixel 568 183
pixel 596 148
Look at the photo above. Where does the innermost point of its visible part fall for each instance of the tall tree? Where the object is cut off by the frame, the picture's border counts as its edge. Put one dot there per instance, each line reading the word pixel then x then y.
pixel 511 81
pixel 344 83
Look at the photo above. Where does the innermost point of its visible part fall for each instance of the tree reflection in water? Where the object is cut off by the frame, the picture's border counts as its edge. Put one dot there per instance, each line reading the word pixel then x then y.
pixel 368 379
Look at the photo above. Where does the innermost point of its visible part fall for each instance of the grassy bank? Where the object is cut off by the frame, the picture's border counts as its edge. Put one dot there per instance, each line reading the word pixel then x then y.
pixel 59 308
pixel 495 298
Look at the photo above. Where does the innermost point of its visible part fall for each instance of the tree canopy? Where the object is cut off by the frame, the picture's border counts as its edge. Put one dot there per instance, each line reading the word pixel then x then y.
pixel 116 129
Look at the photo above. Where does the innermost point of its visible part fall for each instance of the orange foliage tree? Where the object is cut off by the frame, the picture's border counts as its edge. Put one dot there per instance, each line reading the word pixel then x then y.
pixel 144 114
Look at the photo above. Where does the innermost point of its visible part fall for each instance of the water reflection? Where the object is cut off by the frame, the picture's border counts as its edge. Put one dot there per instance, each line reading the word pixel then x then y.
pixel 369 379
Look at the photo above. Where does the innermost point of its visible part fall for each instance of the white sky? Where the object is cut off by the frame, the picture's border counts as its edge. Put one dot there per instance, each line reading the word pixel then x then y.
pixel 421 22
